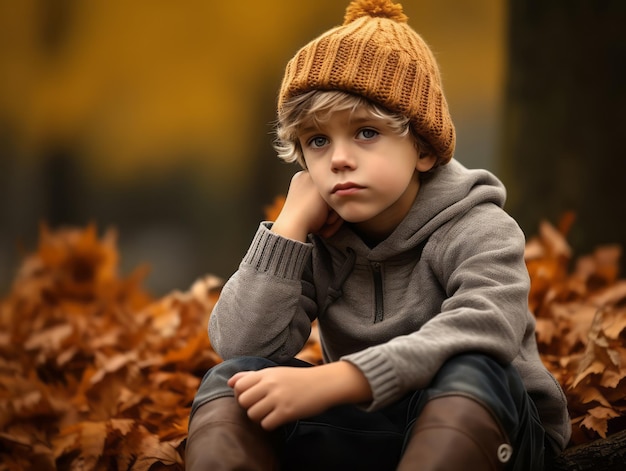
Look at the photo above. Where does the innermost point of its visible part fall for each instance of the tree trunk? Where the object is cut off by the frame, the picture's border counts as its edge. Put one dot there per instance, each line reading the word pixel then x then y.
pixel 564 106
pixel 563 127
pixel 608 454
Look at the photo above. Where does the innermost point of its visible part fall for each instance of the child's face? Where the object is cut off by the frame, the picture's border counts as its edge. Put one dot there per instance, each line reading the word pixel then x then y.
pixel 366 172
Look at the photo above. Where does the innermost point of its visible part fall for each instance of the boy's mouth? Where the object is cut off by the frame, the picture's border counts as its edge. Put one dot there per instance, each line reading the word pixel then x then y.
pixel 346 188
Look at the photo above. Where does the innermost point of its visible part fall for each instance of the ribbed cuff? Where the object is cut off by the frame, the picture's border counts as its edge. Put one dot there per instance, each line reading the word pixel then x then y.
pixel 379 373
pixel 276 255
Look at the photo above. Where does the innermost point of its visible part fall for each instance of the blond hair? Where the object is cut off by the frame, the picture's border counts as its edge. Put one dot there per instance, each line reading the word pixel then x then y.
pixel 318 106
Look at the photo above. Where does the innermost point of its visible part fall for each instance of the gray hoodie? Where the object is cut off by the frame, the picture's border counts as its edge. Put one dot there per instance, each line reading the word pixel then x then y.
pixel 450 279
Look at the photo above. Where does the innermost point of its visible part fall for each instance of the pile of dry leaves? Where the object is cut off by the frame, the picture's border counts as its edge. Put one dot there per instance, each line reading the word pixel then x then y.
pixel 95 374
pixel 581 328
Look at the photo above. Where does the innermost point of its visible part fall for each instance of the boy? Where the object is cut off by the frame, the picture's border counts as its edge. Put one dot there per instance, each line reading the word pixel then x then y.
pixel 411 267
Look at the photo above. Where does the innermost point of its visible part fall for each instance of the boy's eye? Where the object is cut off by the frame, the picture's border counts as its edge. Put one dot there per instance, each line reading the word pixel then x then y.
pixel 317 141
pixel 367 133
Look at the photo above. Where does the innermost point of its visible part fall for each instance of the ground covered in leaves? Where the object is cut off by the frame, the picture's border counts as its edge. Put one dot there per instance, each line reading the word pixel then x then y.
pixel 97 374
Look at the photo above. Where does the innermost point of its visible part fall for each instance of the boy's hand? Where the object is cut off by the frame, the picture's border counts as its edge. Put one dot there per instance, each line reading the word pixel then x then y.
pixel 305 211
pixel 276 396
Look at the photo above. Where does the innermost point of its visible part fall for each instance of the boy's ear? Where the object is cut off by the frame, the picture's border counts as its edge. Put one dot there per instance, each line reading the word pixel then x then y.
pixel 425 162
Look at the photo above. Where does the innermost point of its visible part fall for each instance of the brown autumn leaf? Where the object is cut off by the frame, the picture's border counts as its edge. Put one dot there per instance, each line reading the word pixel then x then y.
pixel 597 419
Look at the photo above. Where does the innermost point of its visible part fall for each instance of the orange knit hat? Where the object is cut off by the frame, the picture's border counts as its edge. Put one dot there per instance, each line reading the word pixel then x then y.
pixel 377 55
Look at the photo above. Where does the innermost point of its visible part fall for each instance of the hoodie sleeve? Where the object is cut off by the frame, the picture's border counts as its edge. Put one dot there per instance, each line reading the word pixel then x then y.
pixel 478 261
pixel 265 309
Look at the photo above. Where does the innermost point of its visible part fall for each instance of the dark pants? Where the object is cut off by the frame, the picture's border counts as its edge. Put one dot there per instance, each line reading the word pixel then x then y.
pixel 347 437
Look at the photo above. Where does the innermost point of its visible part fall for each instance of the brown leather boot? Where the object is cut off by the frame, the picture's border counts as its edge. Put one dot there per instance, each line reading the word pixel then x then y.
pixel 456 433
pixel 222 437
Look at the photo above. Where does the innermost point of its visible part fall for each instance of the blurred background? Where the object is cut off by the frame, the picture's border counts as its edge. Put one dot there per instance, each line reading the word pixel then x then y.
pixel 154 117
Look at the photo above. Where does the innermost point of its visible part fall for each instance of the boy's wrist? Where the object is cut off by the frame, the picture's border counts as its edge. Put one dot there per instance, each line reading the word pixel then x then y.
pixel 289 230
pixel 350 386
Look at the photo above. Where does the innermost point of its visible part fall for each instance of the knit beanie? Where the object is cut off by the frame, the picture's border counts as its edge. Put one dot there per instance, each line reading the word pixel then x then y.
pixel 377 55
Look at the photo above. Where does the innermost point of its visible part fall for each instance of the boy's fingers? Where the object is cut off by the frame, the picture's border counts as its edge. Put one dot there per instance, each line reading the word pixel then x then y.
pixel 236 377
pixel 249 397
pixel 259 410
pixel 333 223
pixel 270 422
pixel 332 218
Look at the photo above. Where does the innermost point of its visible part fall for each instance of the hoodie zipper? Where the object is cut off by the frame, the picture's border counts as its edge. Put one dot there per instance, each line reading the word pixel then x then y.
pixel 379 314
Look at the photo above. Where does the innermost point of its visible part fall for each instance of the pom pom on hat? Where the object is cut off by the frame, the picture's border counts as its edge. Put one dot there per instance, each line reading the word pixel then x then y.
pixel 377 55
pixel 374 8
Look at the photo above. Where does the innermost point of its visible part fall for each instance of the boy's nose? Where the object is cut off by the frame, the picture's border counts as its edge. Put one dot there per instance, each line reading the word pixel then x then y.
pixel 342 158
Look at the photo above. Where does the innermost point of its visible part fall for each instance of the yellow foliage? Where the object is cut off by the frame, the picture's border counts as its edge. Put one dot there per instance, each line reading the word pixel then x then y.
pixel 150 82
